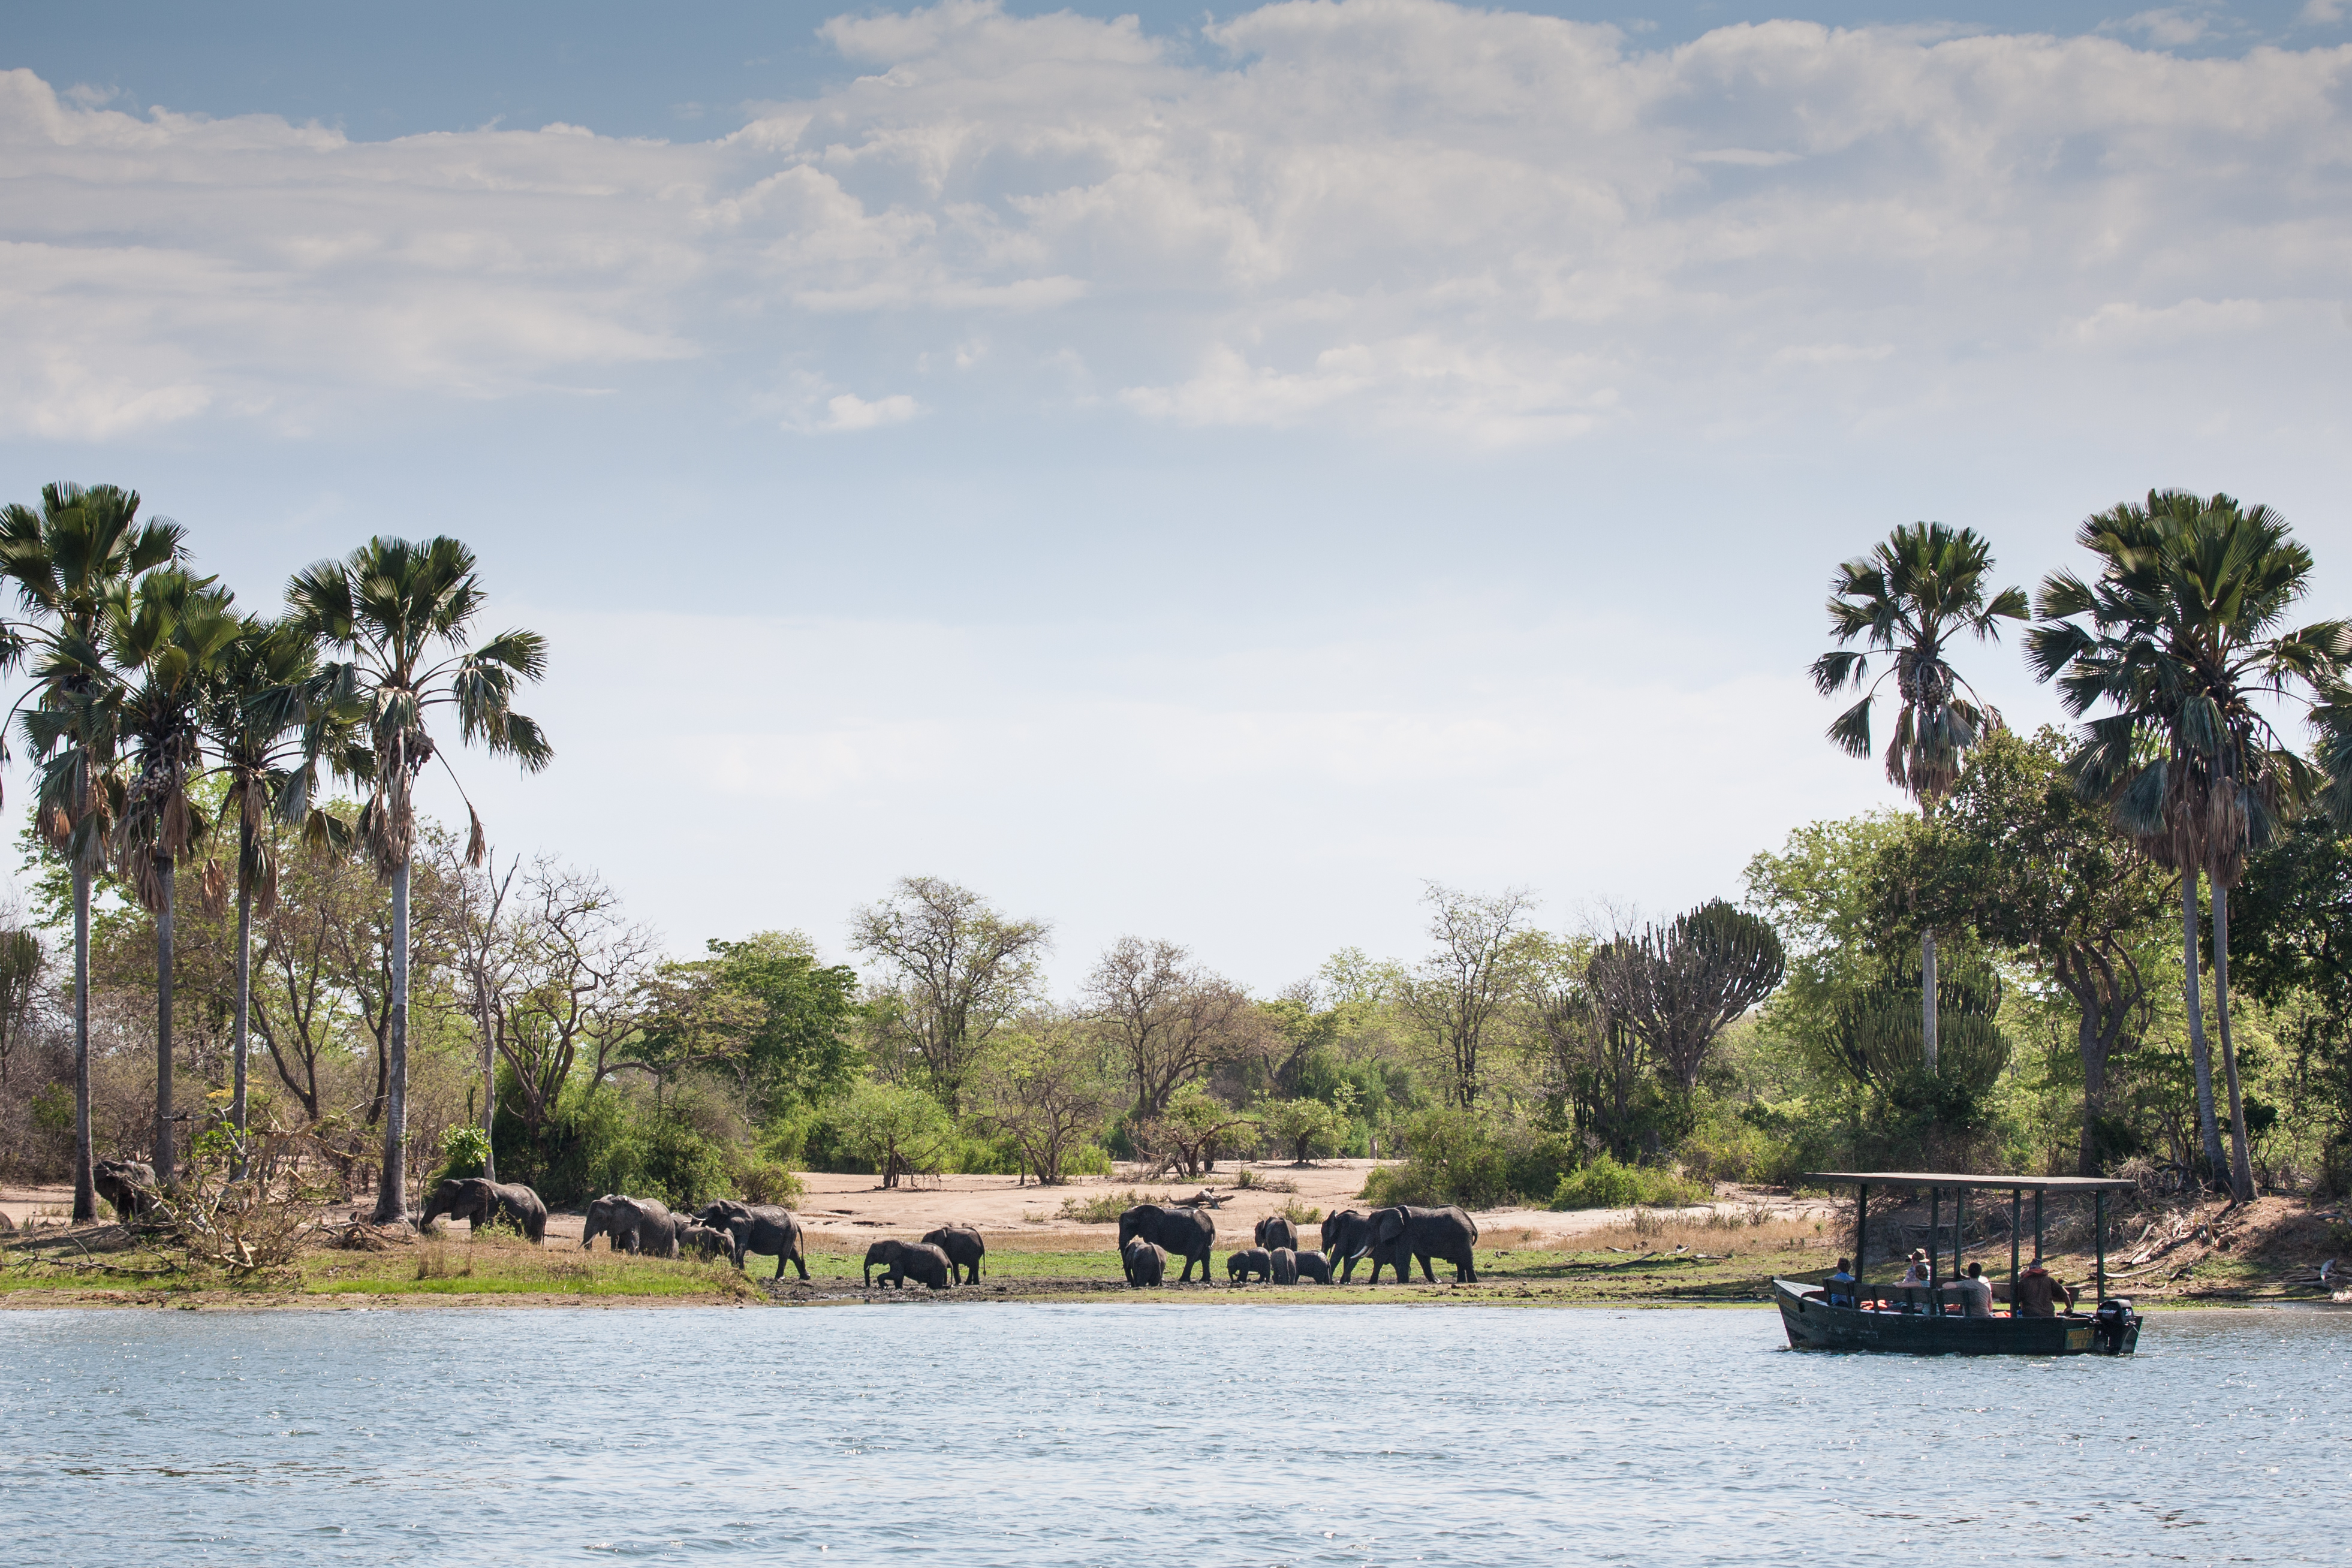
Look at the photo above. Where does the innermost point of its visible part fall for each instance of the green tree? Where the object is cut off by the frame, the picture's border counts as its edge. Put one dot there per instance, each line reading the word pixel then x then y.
pixel 165 636
pixel 900 1130
pixel 2020 856
pixel 1044 1086
pixel 1484 958
pixel 401 612
pixel 1916 591
pixel 1305 1128
pixel 269 729
pixel 2180 640
pixel 960 970
pixel 66 559
pixel 1676 987
pixel 804 1049
pixel 2294 908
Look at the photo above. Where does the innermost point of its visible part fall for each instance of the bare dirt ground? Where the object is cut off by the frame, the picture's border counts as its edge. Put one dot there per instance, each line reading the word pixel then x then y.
pixel 845 1212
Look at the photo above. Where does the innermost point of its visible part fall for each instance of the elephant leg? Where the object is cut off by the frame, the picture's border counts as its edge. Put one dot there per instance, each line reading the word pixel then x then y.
pixel 1426 1272
pixel 798 1262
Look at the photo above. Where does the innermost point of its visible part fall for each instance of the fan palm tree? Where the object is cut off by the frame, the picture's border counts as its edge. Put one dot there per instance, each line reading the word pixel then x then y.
pixel 66 557
pixel 269 729
pixel 1916 591
pixel 165 635
pixel 400 611
pixel 2182 638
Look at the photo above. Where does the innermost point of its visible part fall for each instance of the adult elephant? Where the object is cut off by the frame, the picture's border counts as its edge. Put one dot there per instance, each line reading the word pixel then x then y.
pixel 758 1228
pixel 480 1202
pixel 1276 1231
pixel 1426 1233
pixel 964 1248
pixel 128 1184
pixel 1186 1233
pixel 1349 1238
pixel 633 1223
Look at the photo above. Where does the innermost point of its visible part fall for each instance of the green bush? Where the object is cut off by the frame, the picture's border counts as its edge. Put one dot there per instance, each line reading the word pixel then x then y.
pixel 463 1152
pixel 682 1167
pixel 1468 1157
pixel 1606 1183
pixel 767 1181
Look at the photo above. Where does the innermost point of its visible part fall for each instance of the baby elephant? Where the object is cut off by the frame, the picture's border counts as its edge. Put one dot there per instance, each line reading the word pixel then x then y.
pixel 1144 1262
pixel 1286 1266
pixel 1252 1261
pixel 703 1242
pixel 1313 1266
pixel 904 1260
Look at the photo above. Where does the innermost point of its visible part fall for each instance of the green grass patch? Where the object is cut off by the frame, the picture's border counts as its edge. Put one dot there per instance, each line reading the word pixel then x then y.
pixel 497 1269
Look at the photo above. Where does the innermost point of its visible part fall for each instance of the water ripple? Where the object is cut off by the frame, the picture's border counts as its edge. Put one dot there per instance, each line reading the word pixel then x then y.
pixel 1085 1435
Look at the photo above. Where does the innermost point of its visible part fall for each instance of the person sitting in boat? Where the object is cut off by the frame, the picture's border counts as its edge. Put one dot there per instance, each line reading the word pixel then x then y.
pixel 1917 1274
pixel 1838 1289
pixel 2038 1291
pixel 1975 1292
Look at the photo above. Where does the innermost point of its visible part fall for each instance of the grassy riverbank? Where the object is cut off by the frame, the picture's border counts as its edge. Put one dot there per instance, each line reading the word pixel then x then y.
pixel 2259 1253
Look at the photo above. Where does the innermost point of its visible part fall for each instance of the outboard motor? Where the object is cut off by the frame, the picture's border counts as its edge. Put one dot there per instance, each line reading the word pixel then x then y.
pixel 2114 1327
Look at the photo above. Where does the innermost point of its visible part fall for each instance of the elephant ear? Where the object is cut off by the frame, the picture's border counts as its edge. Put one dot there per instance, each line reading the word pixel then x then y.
pixel 1388 1225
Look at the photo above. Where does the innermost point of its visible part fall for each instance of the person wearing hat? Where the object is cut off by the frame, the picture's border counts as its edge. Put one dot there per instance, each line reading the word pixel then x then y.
pixel 1917 1274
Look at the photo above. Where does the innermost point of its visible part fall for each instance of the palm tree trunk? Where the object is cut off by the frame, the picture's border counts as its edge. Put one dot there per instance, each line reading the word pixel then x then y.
pixel 2199 1057
pixel 166 1164
pixel 244 993
pixel 392 1188
pixel 2242 1173
pixel 1928 999
pixel 85 1206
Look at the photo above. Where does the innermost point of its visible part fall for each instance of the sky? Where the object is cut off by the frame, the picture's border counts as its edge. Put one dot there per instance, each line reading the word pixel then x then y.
pixel 1188 474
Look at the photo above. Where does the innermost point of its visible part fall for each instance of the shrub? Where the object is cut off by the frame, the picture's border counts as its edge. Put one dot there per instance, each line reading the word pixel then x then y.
pixel 463 1152
pixel 767 1181
pixel 1457 1156
pixel 1606 1183
pixel 1105 1207
pixel 681 1167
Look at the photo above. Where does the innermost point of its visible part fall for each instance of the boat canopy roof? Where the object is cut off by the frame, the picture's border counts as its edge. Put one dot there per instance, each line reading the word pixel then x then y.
pixel 1985 1183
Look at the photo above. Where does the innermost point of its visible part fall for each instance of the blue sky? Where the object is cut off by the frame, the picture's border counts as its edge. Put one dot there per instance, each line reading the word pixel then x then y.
pixel 1198 475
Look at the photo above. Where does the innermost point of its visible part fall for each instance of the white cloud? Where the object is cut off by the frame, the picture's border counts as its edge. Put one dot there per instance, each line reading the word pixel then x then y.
pixel 850 411
pixel 1477 227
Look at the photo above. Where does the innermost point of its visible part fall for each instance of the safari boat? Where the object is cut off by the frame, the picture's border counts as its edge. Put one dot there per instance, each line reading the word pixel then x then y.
pixel 1926 1319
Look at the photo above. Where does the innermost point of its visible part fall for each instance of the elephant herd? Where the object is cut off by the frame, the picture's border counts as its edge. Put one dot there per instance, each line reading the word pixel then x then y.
pixel 1152 1235
pixel 944 1259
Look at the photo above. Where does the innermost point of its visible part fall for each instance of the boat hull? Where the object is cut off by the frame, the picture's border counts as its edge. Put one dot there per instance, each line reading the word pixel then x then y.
pixel 1814 1324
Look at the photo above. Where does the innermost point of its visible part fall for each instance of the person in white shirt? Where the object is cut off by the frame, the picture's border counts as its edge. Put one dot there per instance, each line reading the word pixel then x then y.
pixel 1975 1292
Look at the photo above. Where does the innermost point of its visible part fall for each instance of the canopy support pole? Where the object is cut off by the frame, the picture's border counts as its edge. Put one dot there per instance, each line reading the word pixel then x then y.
pixel 1959 1231
pixel 2099 1235
pixel 2015 1219
pixel 1860 1229
pixel 1935 1248
pixel 2037 1226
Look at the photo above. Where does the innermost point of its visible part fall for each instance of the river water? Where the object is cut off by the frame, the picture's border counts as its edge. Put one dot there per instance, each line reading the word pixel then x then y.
pixel 1099 1435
